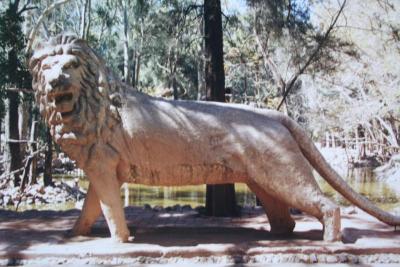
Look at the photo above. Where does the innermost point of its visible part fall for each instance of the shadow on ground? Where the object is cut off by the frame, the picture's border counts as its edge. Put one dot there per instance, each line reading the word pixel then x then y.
pixel 193 236
pixel 185 234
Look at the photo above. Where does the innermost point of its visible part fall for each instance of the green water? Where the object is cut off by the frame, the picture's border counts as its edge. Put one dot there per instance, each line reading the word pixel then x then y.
pixel 194 196
pixel 362 180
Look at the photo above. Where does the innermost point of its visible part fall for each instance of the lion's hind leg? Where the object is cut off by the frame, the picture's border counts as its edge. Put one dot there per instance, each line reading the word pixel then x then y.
pixel 327 212
pixel 304 193
pixel 330 219
pixel 277 212
pixel 289 179
pixel 308 198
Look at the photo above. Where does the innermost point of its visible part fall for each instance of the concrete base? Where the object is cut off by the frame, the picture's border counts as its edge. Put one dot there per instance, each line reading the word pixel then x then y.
pixel 38 237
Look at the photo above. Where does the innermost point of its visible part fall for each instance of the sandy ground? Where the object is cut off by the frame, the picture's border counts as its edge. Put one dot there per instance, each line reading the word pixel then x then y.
pixel 186 238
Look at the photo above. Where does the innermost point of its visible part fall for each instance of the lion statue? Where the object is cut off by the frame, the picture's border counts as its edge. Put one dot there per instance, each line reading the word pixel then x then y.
pixel 118 135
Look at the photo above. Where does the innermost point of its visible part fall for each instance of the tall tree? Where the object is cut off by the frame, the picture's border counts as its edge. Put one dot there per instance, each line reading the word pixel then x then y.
pixel 220 199
pixel 85 19
pixel 14 76
pixel 48 174
pixel 124 5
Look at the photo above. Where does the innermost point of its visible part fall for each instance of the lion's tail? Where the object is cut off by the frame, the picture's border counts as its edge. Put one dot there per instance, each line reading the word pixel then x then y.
pixel 331 176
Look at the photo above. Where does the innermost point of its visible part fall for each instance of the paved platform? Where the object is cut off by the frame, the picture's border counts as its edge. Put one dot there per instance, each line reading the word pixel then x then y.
pixel 185 237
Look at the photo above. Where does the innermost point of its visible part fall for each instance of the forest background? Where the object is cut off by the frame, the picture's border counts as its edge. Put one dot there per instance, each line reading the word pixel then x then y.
pixel 331 65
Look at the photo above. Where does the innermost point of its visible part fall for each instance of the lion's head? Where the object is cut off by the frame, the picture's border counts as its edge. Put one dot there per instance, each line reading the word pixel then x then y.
pixel 74 89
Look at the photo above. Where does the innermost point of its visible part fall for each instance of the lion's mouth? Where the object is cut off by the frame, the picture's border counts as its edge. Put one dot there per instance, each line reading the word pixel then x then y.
pixel 65 104
pixel 67 114
pixel 75 110
pixel 64 98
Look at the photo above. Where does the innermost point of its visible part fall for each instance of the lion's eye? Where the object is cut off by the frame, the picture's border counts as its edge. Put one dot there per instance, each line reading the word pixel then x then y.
pixel 45 66
pixel 71 64
pixel 75 63
pixel 67 66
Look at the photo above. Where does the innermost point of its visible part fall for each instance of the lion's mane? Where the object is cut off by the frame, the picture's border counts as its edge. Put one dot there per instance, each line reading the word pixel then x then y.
pixel 99 94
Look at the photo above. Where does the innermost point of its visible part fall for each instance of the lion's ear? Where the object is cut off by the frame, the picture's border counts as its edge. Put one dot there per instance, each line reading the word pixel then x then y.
pixel 80 42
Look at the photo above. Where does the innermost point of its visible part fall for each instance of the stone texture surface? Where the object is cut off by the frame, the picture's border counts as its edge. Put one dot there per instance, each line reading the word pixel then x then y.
pixel 116 135
pixel 38 237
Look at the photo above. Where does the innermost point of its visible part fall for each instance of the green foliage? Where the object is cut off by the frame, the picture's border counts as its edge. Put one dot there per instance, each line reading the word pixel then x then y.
pixel 12 60
pixel 166 37
pixel 356 63
pixel 280 15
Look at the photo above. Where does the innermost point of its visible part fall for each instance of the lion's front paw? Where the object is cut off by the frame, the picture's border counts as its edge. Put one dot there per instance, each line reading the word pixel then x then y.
pixel 123 237
pixel 71 233
pixel 78 230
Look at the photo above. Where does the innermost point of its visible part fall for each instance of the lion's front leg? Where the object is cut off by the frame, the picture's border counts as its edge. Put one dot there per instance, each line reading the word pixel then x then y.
pixel 107 188
pixel 91 210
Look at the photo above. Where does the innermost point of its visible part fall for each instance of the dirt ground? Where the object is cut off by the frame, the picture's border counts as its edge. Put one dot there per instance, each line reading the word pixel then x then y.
pixel 185 237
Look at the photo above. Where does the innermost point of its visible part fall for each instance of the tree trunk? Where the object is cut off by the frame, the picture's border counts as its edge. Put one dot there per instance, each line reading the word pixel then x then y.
pixel 13 155
pixel 200 79
pixel 174 86
pixel 174 63
pixel 85 20
pixel 33 148
pixel 201 84
pixel 138 57
pixel 133 67
pixel 214 76
pixel 173 78
pixel 1 144
pixel 361 135
pixel 87 28
pixel 47 175
pixel 220 199
pixel 13 151
pixel 23 125
pixel 327 139
pixel 137 72
pixel 127 69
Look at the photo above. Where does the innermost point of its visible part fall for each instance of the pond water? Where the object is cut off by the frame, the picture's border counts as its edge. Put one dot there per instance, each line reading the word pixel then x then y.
pixel 363 180
pixel 384 194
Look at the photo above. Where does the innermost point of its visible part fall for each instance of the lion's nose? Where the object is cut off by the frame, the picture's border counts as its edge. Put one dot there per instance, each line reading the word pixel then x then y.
pixel 56 81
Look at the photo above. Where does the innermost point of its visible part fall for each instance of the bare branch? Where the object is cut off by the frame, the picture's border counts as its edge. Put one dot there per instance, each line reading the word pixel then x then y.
pixel 26 168
pixel 23 90
pixel 312 57
pixel 26 7
pixel 19 141
pixel 267 59
pixel 392 135
pixel 34 30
